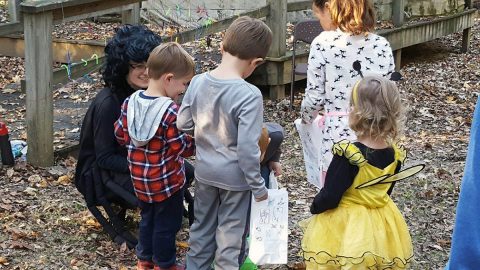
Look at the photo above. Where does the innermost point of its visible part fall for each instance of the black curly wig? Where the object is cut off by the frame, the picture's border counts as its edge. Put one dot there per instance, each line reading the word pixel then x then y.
pixel 131 43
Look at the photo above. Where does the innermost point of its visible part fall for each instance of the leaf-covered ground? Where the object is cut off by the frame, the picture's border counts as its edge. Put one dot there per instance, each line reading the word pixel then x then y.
pixel 44 223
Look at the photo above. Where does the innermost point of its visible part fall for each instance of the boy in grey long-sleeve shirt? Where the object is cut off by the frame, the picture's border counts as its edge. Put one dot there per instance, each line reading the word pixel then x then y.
pixel 225 114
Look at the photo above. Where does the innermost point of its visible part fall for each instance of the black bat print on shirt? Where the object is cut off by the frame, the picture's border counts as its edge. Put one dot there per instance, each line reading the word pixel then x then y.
pixel 360 50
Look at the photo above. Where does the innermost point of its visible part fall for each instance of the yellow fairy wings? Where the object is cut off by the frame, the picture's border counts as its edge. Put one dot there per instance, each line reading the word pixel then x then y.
pixel 390 178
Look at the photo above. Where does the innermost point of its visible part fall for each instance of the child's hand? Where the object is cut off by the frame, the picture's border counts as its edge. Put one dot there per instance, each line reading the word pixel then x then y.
pixel 276 167
pixel 264 197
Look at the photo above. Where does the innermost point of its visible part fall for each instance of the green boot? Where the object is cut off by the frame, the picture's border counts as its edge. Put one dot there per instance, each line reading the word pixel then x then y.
pixel 248 265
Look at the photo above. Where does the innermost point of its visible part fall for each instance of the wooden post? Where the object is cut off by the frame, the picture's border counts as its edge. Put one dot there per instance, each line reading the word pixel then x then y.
pixel 132 14
pixel 467 33
pixel 397 55
pixel 398 12
pixel 14 10
pixel 466 37
pixel 277 21
pixel 39 99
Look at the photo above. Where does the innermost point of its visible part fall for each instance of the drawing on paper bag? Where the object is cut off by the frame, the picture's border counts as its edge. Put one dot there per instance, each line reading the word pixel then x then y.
pixel 269 229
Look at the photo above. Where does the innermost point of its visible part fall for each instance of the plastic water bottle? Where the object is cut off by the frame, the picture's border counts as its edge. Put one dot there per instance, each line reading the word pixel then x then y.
pixel 5 147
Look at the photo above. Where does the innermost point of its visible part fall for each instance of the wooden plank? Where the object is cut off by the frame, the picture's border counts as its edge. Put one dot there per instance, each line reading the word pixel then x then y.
pixel 299 6
pixel 36 6
pixel 467 33
pixel 77 70
pixel 39 99
pixel 14 10
pixel 412 34
pixel 398 12
pixel 131 14
pixel 465 13
pixel 62 13
pixel 10 28
pixel 466 38
pixel 215 27
pixel 276 92
pixel 397 55
pixel 39 6
pixel 78 49
pixel 88 15
pixel 68 151
pixel 277 21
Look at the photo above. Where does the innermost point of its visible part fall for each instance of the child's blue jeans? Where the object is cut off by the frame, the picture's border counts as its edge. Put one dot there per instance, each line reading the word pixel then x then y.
pixel 158 227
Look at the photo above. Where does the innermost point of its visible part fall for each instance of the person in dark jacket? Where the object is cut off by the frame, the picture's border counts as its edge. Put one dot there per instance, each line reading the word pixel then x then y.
pixel 270 156
pixel 102 173
pixel 124 72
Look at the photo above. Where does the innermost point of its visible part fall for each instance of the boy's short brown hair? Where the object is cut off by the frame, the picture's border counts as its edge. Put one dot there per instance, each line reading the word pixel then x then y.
pixel 170 57
pixel 247 38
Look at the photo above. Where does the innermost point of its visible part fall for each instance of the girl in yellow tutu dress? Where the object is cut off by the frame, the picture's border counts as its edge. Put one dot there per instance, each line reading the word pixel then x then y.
pixel 355 224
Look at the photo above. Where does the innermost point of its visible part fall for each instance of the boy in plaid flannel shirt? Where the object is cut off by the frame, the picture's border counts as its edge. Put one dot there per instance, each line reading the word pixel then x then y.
pixel 156 148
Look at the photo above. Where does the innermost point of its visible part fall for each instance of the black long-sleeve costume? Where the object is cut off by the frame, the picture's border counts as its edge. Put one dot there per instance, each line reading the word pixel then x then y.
pixel 341 173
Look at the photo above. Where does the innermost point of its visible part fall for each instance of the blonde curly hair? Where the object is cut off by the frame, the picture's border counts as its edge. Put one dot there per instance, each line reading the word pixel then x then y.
pixel 377 110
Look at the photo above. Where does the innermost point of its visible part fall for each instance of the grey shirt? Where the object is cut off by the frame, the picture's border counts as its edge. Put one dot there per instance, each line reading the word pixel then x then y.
pixel 225 117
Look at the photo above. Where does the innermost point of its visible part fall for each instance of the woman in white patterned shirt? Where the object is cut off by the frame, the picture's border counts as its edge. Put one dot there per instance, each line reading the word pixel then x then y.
pixel 347 37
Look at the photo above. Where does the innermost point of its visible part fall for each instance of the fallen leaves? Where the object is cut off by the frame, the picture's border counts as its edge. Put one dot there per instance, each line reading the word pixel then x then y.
pixel 8 91
pixel 10 173
pixel 18 234
pixel 20 245
pixel 30 191
pixel 3 261
pixel 182 244
pixel 92 223
pixel 64 180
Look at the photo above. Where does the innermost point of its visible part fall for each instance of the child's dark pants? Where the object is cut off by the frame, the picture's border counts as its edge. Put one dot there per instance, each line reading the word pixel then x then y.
pixel 157 230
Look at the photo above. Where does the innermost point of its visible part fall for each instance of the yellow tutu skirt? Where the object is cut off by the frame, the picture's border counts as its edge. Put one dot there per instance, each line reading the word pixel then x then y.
pixel 357 237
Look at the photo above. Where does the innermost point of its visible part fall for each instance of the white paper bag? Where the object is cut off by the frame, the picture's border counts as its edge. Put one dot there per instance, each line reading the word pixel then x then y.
pixel 310 136
pixel 269 229
pixel 273 182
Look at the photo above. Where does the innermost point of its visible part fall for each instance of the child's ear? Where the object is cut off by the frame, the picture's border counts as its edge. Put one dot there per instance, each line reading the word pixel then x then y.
pixel 168 76
pixel 257 61
pixel 327 5
pixel 221 47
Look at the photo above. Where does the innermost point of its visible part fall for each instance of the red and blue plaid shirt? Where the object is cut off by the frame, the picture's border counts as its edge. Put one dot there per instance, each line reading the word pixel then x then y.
pixel 157 169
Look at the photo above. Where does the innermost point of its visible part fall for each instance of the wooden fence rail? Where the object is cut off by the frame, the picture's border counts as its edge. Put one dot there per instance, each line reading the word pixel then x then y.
pixel 215 27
